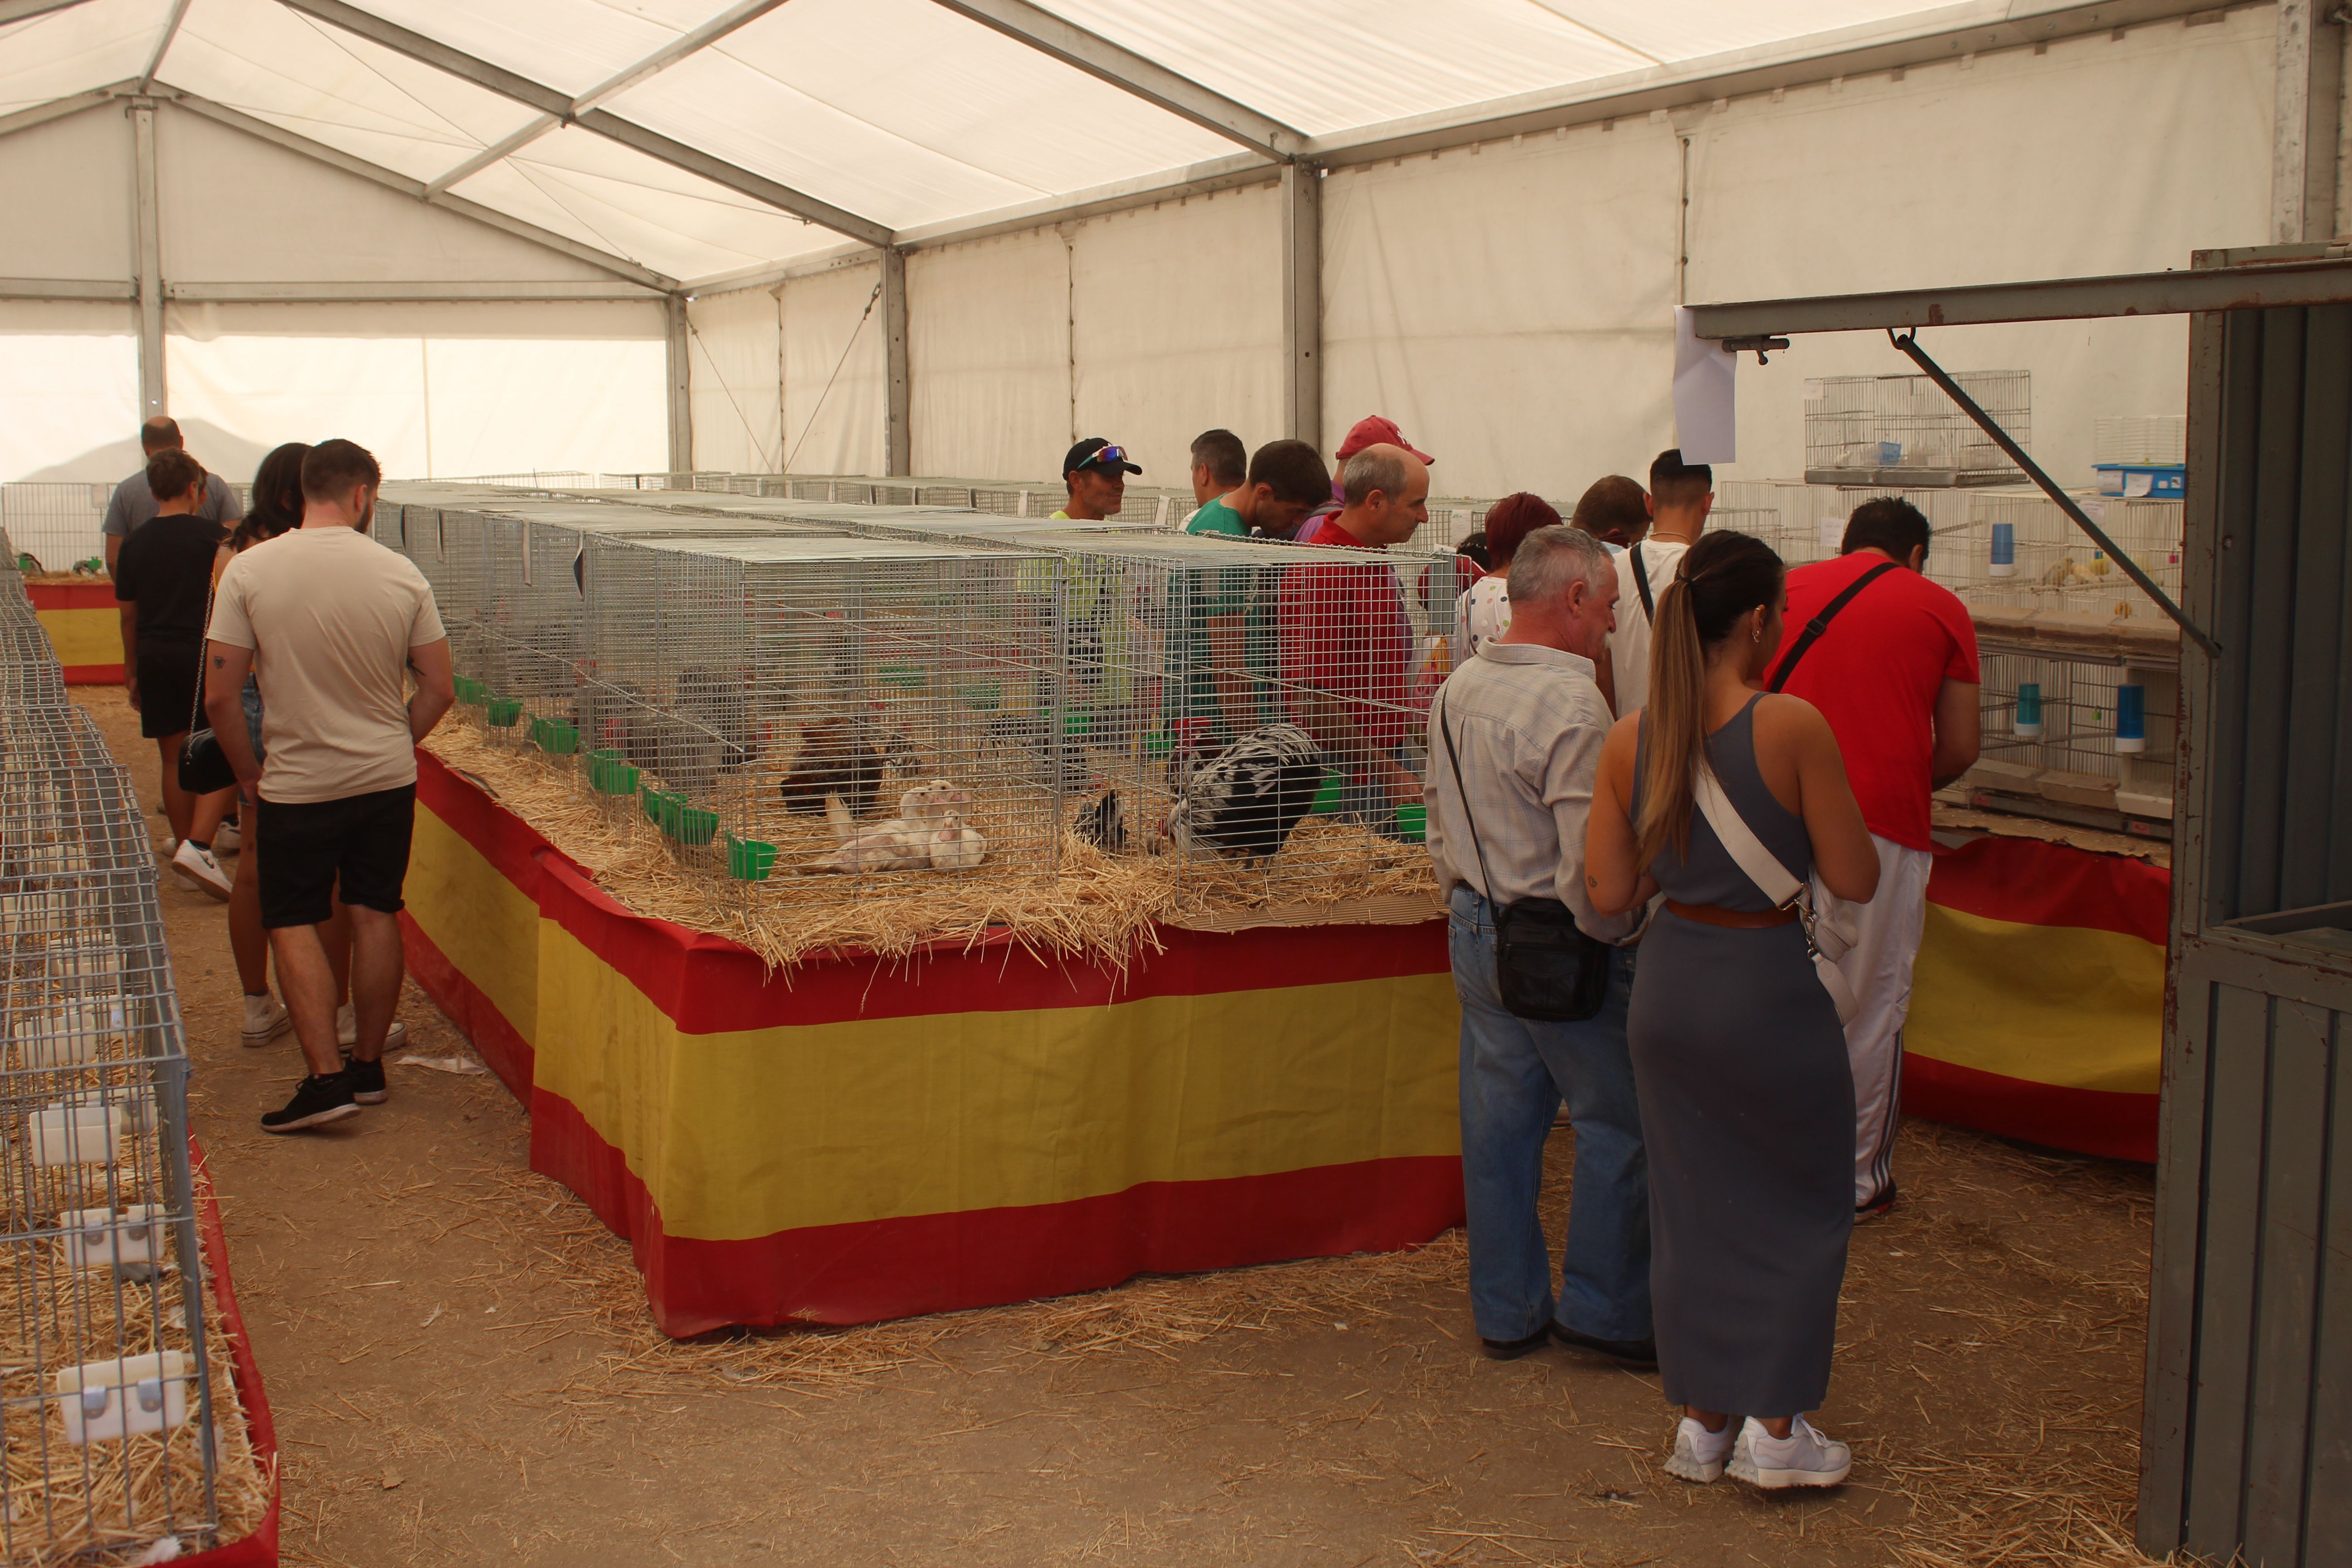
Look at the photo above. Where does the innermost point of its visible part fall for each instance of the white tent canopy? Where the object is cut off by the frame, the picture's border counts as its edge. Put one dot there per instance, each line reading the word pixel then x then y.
pixel 950 234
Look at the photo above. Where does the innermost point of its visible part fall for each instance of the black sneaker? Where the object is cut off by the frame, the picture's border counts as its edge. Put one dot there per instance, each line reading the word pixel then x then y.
pixel 1876 1208
pixel 367 1081
pixel 317 1101
pixel 1641 1355
pixel 1512 1350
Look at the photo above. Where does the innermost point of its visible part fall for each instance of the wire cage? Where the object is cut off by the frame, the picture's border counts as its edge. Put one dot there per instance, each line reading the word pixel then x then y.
pixel 54 523
pixel 106 1380
pixel 1903 430
pixel 2141 438
pixel 2021 550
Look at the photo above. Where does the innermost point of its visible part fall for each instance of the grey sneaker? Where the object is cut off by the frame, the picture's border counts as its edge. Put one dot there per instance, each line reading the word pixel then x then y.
pixel 1698 1452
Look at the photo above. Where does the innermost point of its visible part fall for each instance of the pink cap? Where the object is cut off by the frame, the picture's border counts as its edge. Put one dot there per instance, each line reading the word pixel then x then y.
pixel 1378 430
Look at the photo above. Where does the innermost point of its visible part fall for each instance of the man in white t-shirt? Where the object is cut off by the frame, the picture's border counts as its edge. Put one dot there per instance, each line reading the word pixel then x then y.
pixel 1681 494
pixel 330 623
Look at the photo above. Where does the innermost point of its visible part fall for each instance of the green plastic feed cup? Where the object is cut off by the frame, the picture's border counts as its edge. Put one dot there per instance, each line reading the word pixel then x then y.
pixel 695 825
pixel 503 713
pixel 750 860
pixel 1326 799
pixel 1412 824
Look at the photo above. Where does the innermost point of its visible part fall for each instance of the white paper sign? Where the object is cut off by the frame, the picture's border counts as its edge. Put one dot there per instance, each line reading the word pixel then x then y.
pixel 1705 425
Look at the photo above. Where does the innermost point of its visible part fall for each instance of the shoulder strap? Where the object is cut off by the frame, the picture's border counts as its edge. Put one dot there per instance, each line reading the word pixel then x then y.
pixel 1486 881
pixel 204 651
pixel 1642 584
pixel 1740 840
pixel 1820 623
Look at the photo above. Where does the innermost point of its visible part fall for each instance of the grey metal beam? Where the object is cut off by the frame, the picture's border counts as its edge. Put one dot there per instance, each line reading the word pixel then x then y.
pixel 618 265
pixel 661 59
pixel 898 405
pixel 603 122
pixel 1238 172
pixel 23 10
pixel 2320 281
pixel 409 291
pixel 59 107
pixel 2305 124
pixel 1122 68
pixel 1302 303
pixel 164 44
pixel 148 259
pixel 68 288
pixel 681 388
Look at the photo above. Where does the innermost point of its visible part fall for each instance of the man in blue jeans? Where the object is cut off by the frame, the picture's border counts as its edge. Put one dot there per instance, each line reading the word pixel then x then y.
pixel 1526 721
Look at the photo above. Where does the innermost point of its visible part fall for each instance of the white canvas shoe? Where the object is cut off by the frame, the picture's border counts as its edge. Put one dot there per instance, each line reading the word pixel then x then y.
pixel 266 1018
pixel 1802 1458
pixel 226 840
pixel 199 870
pixel 1698 1452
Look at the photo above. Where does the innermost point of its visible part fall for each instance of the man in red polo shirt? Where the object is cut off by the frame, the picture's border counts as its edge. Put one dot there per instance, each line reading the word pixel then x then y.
pixel 1895 673
pixel 1347 640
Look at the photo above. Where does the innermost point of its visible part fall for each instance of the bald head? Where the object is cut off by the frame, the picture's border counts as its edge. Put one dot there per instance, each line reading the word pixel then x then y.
pixel 1386 495
pixel 161 434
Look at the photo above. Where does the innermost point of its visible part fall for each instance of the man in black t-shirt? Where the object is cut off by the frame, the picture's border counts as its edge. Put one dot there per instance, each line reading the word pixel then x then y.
pixel 162 580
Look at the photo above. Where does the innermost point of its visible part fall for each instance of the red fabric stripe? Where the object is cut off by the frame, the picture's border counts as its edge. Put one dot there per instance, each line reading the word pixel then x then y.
pixel 259 1550
pixel 877 1269
pixel 71 595
pixel 707 983
pixel 2029 882
pixel 92 674
pixel 2085 1121
pixel 502 1048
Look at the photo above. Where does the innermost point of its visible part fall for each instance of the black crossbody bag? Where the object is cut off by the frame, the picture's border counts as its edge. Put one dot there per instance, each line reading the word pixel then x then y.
pixel 1546 969
pixel 203 766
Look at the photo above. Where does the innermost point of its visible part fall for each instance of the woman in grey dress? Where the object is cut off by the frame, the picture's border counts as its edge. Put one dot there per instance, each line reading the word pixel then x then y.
pixel 1747 1098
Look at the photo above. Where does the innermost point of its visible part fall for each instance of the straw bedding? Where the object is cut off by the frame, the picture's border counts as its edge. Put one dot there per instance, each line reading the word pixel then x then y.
pixel 1099 907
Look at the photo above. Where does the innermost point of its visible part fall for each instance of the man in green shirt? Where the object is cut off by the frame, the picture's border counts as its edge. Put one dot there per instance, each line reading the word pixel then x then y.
pixel 1220 463
pixel 1286 480
pixel 1227 654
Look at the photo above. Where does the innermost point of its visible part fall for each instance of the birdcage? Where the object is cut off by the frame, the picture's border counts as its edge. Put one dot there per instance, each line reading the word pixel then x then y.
pixel 2080 717
pixel 54 523
pixel 2022 552
pixel 2141 438
pixel 1902 430
pixel 107 1379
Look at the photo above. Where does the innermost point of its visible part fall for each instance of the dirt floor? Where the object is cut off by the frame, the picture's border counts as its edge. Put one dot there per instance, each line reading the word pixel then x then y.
pixel 463 1371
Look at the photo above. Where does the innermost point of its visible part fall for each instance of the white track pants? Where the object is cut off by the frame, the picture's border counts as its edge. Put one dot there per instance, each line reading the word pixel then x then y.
pixel 1879 970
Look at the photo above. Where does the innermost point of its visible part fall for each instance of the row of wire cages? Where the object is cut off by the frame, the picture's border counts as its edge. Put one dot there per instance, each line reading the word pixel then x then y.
pixel 107 1384
pixel 54 526
pixel 1905 430
pixel 801 703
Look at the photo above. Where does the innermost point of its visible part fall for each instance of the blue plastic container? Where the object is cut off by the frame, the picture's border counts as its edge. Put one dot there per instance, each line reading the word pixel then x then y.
pixel 2004 550
pixel 2131 719
pixel 2027 723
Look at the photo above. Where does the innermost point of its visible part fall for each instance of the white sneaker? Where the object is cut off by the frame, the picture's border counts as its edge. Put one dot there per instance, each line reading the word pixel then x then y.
pixel 199 870
pixel 1698 1452
pixel 347 1032
pixel 266 1018
pixel 226 840
pixel 1802 1458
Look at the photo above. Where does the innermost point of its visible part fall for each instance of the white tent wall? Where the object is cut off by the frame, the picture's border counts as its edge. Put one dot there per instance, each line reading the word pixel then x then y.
pixel 68 379
pixel 70 213
pixel 735 345
pixel 832 371
pixel 988 341
pixel 2102 155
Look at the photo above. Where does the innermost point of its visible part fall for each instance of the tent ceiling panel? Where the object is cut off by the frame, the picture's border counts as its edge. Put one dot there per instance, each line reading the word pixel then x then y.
pixel 572 45
pixel 601 193
pixel 1324 67
pixel 904 112
pixel 64 52
pixel 322 82
pixel 82 166
pixel 1668 31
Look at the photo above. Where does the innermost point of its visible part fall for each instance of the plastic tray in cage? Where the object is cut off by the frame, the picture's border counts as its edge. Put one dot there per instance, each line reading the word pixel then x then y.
pixel 134 1103
pixel 69 1134
pixel 65 1036
pixel 105 1400
pixel 101 1238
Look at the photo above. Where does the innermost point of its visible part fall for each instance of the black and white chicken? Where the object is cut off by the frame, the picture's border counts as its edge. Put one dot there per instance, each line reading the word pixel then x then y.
pixel 1103 822
pixel 1244 802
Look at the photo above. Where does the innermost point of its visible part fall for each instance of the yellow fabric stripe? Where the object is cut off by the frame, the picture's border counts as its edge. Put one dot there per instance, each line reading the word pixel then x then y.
pixel 2063 1005
pixel 484 924
pixel 84 637
pixel 742 1134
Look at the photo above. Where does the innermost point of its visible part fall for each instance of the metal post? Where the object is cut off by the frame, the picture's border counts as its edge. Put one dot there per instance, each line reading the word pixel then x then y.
pixel 898 439
pixel 2304 131
pixel 1909 344
pixel 1302 301
pixel 681 389
pixel 149 261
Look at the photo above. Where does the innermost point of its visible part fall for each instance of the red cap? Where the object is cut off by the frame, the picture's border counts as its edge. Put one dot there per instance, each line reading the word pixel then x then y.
pixel 1378 430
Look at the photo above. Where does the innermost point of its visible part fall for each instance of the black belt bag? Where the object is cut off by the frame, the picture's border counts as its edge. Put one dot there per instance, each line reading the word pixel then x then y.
pixel 1546 969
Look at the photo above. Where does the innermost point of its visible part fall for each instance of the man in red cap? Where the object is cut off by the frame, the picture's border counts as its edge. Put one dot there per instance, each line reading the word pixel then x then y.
pixel 1372 430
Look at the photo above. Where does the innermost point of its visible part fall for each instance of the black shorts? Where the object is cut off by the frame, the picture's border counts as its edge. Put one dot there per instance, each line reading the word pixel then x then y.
pixel 361 841
pixel 167 688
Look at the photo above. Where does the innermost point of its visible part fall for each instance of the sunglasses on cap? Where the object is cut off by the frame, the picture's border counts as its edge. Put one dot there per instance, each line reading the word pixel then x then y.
pixel 1107 455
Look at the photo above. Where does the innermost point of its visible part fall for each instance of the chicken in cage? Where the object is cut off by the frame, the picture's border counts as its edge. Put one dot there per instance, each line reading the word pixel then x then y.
pixel 1905 430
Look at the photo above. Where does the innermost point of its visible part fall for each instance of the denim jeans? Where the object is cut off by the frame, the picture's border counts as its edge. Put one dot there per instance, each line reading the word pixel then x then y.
pixel 1515 1074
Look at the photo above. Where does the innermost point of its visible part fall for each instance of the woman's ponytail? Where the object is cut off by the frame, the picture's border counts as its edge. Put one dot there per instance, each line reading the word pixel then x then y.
pixel 1722 577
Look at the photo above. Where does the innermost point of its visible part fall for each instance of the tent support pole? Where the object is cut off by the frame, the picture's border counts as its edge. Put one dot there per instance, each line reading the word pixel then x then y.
pixel 681 390
pixel 1302 303
pixel 150 261
pixel 898 450
pixel 2304 131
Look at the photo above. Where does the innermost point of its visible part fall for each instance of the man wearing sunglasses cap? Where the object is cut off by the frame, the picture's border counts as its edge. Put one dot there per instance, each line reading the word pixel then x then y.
pixel 1097 473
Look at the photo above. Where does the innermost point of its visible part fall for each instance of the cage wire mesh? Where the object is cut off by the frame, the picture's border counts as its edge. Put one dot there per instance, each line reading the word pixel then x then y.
pixel 106 1377
pixel 2024 552
pixel 2089 718
pixel 2141 438
pixel 1903 429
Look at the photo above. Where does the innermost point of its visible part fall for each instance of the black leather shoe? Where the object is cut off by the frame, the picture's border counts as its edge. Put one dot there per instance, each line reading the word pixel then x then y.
pixel 1642 1355
pixel 1512 1350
